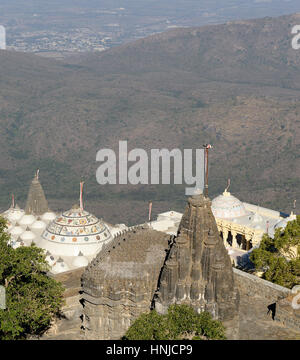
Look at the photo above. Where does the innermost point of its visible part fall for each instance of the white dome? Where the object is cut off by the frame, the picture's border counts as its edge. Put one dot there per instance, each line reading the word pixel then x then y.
pixel 257 218
pixel 16 231
pixel 27 220
pixel 59 266
pixel 16 244
pixel 80 261
pixel 48 216
pixel 283 223
pixel 50 259
pixel 13 214
pixel 38 225
pixel 73 231
pixel 227 206
pixel 27 235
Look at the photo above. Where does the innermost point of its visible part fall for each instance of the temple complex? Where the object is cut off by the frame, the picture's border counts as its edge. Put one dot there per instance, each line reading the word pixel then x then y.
pixel 74 237
pixel 114 273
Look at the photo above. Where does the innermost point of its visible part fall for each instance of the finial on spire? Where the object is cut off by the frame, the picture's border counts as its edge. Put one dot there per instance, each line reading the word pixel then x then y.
pixel 81 195
pixel 228 185
pixel 37 174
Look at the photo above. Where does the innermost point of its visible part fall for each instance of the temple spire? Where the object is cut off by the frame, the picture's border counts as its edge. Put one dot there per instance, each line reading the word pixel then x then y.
pixel 36 201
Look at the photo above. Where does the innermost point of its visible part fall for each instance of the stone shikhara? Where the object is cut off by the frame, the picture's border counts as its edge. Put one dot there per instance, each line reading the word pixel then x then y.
pixel 198 270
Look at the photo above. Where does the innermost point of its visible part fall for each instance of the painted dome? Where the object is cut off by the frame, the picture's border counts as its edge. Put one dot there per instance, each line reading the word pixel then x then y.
pixel 227 206
pixel 77 227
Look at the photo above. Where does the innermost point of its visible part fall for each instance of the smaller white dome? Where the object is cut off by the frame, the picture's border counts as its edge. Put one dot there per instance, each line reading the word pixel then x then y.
pixel 16 230
pixel 59 266
pixel 9 225
pixel 257 218
pixel 48 216
pixel 50 258
pixel 27 220
pixel 16 244
pixel 283 222
pixel 27 235
pixel 14 214
pixel 38 225
pixel 80 260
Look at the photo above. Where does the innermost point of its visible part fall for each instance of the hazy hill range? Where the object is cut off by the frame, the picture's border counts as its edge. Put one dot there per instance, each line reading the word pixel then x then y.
pixel 235 85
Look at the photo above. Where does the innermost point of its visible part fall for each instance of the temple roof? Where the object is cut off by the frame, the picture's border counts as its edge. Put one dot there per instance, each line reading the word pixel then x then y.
pixel 132 254
pixel 227 206
pixel 77 226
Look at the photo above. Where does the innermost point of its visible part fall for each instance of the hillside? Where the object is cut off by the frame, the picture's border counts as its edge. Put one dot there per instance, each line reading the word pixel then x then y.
pixel 235 85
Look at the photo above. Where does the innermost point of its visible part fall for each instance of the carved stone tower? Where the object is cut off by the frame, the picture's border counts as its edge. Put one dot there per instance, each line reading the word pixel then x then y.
pixel 198 270
pixel 36 201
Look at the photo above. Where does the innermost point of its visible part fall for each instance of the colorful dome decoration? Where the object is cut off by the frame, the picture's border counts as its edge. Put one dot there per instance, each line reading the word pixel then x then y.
pixel 79 228
pixel 227 206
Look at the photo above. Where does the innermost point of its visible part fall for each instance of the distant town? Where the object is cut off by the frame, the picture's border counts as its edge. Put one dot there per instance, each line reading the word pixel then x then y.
pixel 93 37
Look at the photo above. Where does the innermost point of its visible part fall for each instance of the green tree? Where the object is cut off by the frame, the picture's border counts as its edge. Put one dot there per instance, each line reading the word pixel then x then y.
pixel 180 322
pixel 32 298
pixel 276 257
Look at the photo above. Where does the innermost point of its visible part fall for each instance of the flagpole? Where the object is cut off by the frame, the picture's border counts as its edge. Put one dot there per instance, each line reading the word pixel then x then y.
pixel 206 147
pixel 150 210
pixel 81 195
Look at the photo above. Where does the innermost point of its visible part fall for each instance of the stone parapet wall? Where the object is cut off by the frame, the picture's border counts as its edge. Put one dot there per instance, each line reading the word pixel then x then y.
pixel 252 285
pixel 255 289
pixel 286 314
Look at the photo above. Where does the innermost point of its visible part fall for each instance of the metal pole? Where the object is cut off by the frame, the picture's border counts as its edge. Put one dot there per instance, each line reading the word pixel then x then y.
pixel 206 175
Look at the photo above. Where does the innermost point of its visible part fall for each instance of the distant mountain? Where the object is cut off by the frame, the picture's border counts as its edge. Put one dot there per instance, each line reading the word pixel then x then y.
pixel 235 85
